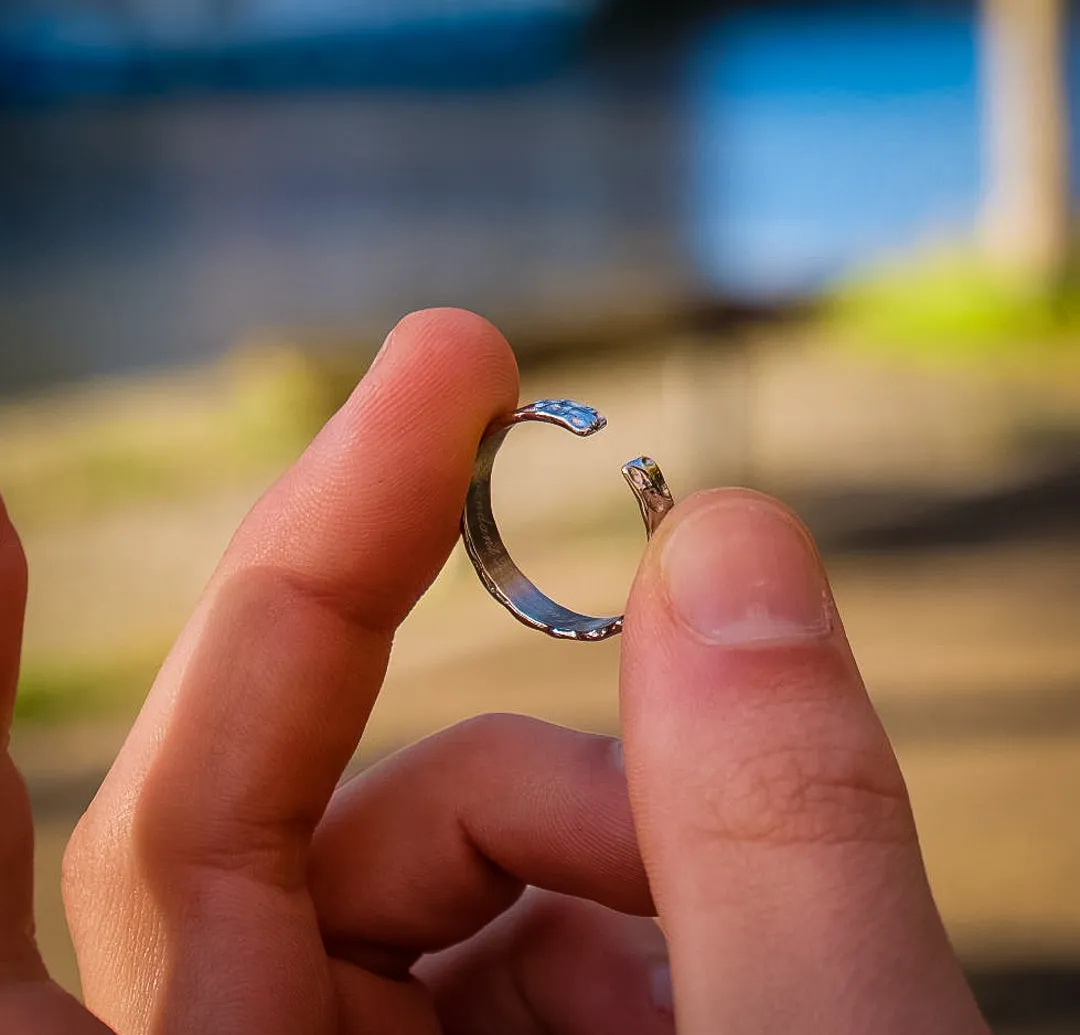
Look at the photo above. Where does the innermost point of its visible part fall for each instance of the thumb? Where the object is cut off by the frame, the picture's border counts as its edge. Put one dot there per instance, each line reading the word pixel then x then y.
pixel 773 819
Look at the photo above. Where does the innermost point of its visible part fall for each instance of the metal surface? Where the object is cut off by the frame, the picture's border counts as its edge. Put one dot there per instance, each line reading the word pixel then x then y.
pixel 500 575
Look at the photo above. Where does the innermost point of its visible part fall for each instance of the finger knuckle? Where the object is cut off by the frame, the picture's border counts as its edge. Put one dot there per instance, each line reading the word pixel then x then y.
pixel 161 846
pixel 819 792
pixel 89 863
pixel 480 732
pixel 546 915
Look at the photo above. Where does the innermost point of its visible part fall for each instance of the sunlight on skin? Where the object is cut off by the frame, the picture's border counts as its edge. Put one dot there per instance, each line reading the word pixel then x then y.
pixel 222 882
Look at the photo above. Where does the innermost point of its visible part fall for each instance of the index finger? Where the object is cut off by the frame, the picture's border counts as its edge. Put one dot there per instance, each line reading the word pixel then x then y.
pixel 185 881
pixel 265 696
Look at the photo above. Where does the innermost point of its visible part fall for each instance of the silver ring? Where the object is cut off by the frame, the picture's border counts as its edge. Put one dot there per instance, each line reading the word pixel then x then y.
pixel 500 575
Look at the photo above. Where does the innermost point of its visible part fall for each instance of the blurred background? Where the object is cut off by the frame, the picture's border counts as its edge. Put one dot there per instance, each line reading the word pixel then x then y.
pixel 824 249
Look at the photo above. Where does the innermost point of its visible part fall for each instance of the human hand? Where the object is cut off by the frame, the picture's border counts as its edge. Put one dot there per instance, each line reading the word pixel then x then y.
pixel 219 883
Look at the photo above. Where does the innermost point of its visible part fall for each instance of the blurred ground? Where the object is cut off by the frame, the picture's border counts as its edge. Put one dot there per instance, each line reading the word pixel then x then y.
pixel 946 503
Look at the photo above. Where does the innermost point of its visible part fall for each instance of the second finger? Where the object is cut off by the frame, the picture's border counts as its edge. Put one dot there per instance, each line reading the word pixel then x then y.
pixel 424 849
pixel 558 966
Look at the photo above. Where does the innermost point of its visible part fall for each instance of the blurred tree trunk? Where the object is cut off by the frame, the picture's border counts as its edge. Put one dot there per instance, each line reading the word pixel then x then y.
pixel 1026 220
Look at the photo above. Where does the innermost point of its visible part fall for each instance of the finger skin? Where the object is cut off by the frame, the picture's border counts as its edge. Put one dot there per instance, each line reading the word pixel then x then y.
pixel 185 882
pixel 372 1004
pixel 13 585
pixel 424 849
pixel 772 816
pixel 30 1004
pixel 42 1007
pixel 553 965
pixel 18 954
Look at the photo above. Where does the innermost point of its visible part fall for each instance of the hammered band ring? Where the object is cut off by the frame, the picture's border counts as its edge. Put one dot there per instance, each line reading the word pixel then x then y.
pixel 500 575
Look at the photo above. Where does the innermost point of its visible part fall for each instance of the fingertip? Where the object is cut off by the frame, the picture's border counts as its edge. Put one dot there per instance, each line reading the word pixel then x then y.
pixel 738 568
pixel 460 346
pixel 391 465
pixel 724 561
pixel 738 679
pixel 735 500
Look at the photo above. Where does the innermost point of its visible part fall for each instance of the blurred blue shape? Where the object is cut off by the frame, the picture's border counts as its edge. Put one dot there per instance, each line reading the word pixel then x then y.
pixel 156 46
pixel 752 161
pixel 826 138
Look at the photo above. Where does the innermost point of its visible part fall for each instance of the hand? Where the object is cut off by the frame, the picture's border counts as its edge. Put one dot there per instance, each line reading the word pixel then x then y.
pixel 220 883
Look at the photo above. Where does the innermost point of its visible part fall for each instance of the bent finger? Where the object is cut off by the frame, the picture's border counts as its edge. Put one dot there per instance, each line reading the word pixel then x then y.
pixel 424 849
pixel 554 965
pixel 773 817
pixel 198 837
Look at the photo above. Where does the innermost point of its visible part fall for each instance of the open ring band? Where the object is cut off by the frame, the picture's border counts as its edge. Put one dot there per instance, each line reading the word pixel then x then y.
pixel 500 575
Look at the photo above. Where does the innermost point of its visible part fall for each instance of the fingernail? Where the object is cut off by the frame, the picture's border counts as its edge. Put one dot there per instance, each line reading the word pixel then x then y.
pixel 660 988
pixel 617 755
pixel 740 571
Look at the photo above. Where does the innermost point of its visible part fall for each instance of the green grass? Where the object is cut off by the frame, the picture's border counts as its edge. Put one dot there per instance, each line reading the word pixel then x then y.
pixel 951 306
pixel 56 693
pixel 65 457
